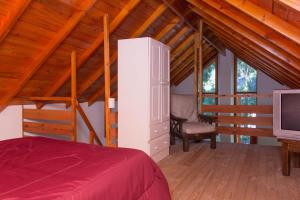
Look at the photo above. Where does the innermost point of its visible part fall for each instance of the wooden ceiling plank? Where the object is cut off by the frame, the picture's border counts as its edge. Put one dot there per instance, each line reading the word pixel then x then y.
pixel 149 21
pixel 182 46
pixel 187 52
pixel 234 28
pixel 260 29
pixel 295 4
pixel 168 28
pixel 183 75
pixel 176 72
pixel 47 52
pixel 178 35
pixel 180 59
pixel 12 17
pixel 87 53
pixel 267 18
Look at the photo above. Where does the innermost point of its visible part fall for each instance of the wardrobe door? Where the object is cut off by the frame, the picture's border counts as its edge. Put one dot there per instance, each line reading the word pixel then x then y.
pixel 155 62
pixel 165 65
pixel 155 106
pixel 165 102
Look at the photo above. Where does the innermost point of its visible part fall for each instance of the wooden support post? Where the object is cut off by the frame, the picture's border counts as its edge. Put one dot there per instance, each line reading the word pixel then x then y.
pixel 107 79
pixel 197 44
pixel 73 94
pixel 200 66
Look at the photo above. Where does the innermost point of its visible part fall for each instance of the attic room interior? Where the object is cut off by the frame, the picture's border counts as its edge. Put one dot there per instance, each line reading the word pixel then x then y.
pixel 150 99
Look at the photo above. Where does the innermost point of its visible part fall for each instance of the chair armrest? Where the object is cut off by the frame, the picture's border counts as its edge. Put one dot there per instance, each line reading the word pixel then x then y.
pixel 207 118
pixel 178 119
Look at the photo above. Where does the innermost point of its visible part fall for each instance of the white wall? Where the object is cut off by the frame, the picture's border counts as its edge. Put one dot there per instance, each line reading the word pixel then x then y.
pixel 265 85
pixel 11 121
pixel 185 87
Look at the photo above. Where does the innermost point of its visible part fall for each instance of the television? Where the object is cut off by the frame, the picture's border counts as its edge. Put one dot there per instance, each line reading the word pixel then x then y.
pixel 286 114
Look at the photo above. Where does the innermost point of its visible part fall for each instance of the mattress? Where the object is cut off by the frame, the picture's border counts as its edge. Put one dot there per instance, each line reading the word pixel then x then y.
pixel 41 168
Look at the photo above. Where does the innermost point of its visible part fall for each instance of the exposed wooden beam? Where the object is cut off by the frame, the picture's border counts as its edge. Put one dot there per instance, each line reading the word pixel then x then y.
pixel 47 52
pixel 185 71
pixel 107 80
pixel 233 28
pixel 74 95
pixel 167 28
pixel 176 12
pixel 177 36
pixel 196 49
pixel 290 31
pixel 257 27
pixel 200 70
pixel 177 72
pixel 98 41
pixel 255 52
pixel 295 4
pixel 98 73
pixel 187 53
pixel 12 17
pixel 181 47
pixel 254 58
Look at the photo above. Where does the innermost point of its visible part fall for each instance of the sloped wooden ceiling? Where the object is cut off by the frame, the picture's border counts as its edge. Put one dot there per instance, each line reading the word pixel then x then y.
pixel 37 37
pixel 265 33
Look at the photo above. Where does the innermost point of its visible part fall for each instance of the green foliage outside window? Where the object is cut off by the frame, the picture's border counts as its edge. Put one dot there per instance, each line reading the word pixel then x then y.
pixel 246 77
pixel 209 78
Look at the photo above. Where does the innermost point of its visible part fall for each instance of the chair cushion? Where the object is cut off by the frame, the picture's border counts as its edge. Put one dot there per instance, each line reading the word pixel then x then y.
pixel 184 106
pixel 197 127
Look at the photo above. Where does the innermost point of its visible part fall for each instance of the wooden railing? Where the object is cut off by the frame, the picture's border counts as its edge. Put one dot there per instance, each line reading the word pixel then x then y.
pixel 230 119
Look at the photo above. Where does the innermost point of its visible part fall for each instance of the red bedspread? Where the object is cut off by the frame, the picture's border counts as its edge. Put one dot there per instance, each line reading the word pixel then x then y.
pixel 40 168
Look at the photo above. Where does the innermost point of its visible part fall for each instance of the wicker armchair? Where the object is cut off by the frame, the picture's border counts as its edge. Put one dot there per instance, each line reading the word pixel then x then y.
pixel 187 124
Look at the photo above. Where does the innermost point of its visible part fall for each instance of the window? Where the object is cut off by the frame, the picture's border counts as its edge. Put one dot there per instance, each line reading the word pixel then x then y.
pixel 245 83
pixel 210 85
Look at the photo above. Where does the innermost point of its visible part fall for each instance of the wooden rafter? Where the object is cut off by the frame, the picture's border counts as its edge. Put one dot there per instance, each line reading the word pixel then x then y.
pixel 267 18
pixel 295 4
pixel 98 41
pixel 257 27
pixel 149 21
pixel 181 67
pixel 258 54
pixel 168 28
pixel 181 47
pixel 47 52
pixel 233 28
pixel 186 70
pixel 235 39
pixel 221 49
pixel 178 35
pixel 12 17
pixel 254 58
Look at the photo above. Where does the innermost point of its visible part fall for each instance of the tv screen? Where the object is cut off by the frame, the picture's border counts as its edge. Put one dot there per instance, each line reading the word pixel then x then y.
pixel 290 112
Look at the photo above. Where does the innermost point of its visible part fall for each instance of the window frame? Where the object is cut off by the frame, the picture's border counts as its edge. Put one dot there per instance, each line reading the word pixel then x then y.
pixel 253 139
pixel 215 60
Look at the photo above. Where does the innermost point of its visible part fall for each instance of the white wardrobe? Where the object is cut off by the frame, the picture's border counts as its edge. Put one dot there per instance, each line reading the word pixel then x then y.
pixel 144 96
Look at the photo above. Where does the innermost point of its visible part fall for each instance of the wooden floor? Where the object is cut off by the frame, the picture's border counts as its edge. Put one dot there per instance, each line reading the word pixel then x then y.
pixel 232 171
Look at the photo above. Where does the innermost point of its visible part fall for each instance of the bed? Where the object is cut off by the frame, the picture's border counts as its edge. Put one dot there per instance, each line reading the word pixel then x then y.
pixel 42 168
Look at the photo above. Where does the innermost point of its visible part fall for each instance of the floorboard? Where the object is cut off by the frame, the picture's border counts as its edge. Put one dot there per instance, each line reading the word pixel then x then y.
pixel 231 172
